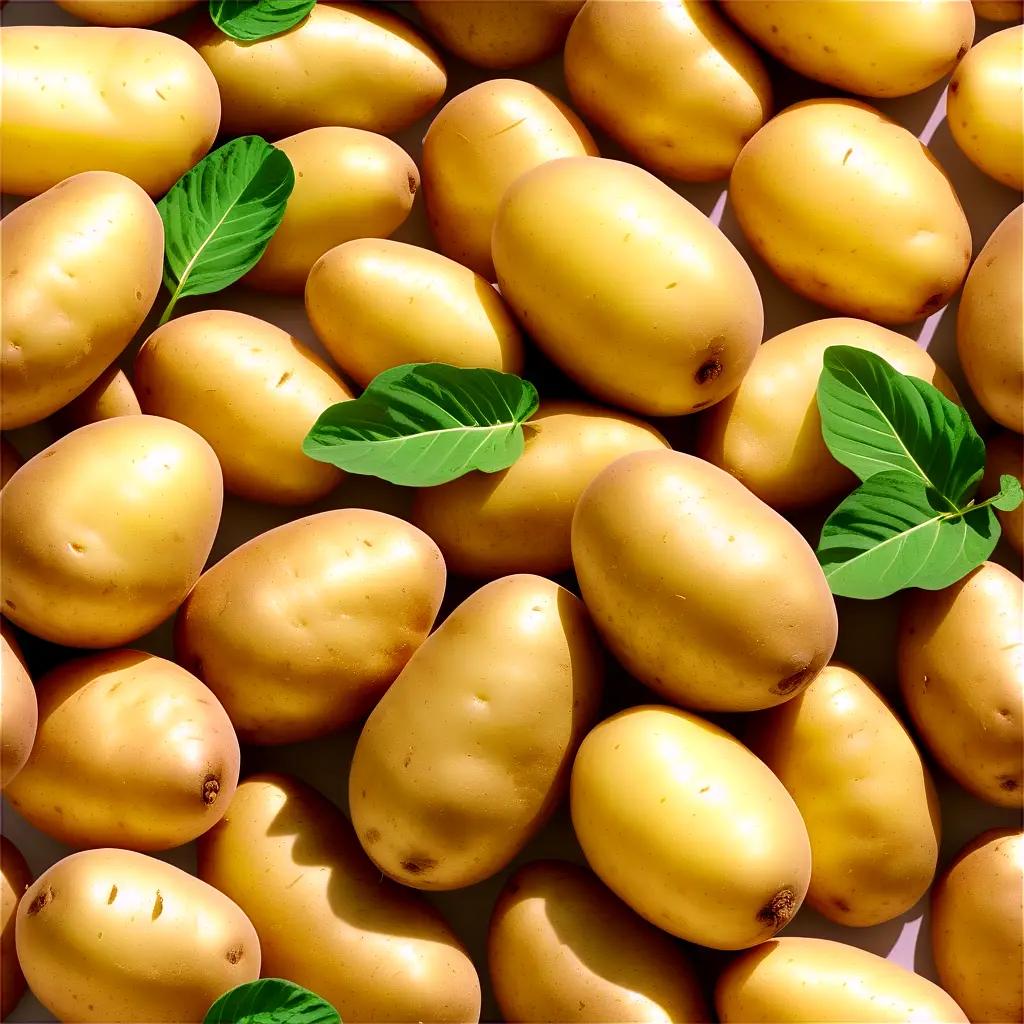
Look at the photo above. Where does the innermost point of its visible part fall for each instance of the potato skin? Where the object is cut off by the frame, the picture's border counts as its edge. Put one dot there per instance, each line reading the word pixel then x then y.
pixel 112 935
pixel 362 586
pixel 374 950
pixel 561 947
pixel 82 268
pixel 15 878
pixel 19 709
pixel 850 211
pixel 106 90
pixel 702 88
pixel 961 665
pixel 126 13
pixel 106 531
pixel 110 395
pixel 468 753
pixel 999 10
pixel 1005 455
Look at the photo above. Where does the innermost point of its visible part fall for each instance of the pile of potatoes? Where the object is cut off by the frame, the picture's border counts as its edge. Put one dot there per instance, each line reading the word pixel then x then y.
pixel 635 630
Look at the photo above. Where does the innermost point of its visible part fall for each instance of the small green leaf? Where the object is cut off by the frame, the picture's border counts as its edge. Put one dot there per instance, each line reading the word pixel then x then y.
pixel 249 20
pixel 1010 495
pixel 271 1001
pixel 424 424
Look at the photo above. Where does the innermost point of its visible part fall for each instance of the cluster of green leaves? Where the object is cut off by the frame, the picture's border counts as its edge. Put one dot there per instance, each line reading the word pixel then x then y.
pixel 250 20
pixel 271 1001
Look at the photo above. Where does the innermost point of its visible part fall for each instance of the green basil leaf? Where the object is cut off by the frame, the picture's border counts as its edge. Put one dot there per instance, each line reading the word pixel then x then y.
pixel 271 1001
pixel 219 216
pixel 249 20
pixel 424 424
pixel 1010 495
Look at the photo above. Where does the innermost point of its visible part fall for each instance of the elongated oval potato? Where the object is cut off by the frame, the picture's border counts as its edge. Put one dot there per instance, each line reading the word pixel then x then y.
pixel 354 65
pixel 106 531
pixel 301 629
pixel 112 935
pixel 713 600
pixel 19 710
pixel 851 211
pixel 561 947
pixel 1005 455
pixel 700 86
pixel 481 141
pixel 129 100
pixel 990 324
pixel 252 391
pixel 15 878
pixel 961 667
pixel 999 10
pixel 10 461
pixel 632 291
pixel 978 927
pixel 374 950
pixel 131 751
pixel 110 395
pixel 82 266
pixel 127 13
pixel 807 981
pixel 375 303
pixel 863 791
pixel 468 753
pixel 767 433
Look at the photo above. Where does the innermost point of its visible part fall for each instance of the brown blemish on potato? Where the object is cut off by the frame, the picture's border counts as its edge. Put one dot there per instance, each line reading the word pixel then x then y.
pixel 1007 783
pixel 210 789
pixel 793 682
pixel 44 899
pixel 932 303
pixel 158 906
pixel 371 836
pixel 417 865
pixel 412 183
pixel 708 371
pixel 779 909
pixel 842 906
pixel 954 86
pixel 961 53
pixel 234 955
pixel 113 895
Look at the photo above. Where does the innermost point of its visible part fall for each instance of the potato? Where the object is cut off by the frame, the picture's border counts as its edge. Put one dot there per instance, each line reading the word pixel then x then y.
pixel 808 981
pixel 10 461
pixel 626 286
pixel 1005 455
pixel 353 65
pixel 990 324
pixel 106 531
pixel 374 950
pixel 961 666
pixel 481 141
pixel 468 753
pixel 375 304
pixel 110 395
pixel 999 10
pixel 850 211
pixel 125 12
pixel 978 924
pixel 129 100
pixel 82 266
pixel 112 935
pixel 561 947
pixel 300 630
pixel 711 599
pixel 672 82
pixel 252 391
pixel 15 878
pixel 767 433
pixel 19 711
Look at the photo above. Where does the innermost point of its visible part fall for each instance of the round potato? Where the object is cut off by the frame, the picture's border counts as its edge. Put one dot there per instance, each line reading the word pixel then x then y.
pixel 481 141
pixel 300 630
pixel 10 461
pixel 82 266
pixel 126 13
pixel 15 878
pixel 375 304
pixel 374 950
pixel 849 210
pixel 632 291
pixel 467 754
pixel 111 935
pixel 354 65
pixel 561 947
pixel 701 87
pixel 1005 455
pixel 110 395
pixel 129 100
pixel 252 391
pixel 999 10
pixel 767 433
pixel 961 666
pixel 19 711
pixel 106 531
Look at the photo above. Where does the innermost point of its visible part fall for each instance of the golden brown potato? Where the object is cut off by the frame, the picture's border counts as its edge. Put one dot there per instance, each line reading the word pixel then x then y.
pixel 999 10
pixel 125 12
pixel 1005 455
pixel 19 711
pixel 15 878
pixel 110 395
pixel 10 461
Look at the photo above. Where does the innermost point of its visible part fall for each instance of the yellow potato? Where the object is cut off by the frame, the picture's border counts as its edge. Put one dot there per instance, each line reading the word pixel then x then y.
pixel 709 597
pixel 354 65
pixel 990 324
pixel 325 917
pixel 767 433
pixel 112 935
pixel 672 82
pixel 252 391
pixel 82 266
pixel 375 304
pixel 632 291
pixel 978 927
pixel 1005 455
pixel 110 395
pixel 15 878
pixel 10 461
pixel 125 12
pixel 808 981
pixel 999 10
pixel 129 100
pixel 850 211
pixel 561 947
pixel 481 141
pixel 468 753
pixel 961 665
pixel 681 821
pixel 106 531
pixel 302 629
pixel 19 711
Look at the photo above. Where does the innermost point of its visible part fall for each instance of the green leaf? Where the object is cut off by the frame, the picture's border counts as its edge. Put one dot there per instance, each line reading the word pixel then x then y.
pixel 249 20
pixel 271 1001
pixel 219 216
pixel 424 424
pixel 1010 495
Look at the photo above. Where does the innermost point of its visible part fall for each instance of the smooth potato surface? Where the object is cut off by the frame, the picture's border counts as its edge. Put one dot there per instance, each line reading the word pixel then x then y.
pixel 110 395
pixel 126 13
pixel 1004 455
pixel 15 878
pixel 19 710
pixel 999 10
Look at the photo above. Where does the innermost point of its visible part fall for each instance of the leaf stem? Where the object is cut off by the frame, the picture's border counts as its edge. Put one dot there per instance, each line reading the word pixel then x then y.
pixel 169 308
